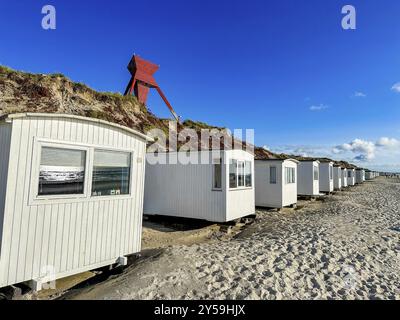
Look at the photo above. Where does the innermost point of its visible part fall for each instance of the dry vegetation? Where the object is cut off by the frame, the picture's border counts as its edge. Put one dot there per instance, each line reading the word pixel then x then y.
pixel 38 93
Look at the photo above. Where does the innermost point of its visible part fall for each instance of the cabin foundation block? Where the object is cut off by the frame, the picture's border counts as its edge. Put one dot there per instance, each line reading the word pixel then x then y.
pixel 122 261
pixel 36 285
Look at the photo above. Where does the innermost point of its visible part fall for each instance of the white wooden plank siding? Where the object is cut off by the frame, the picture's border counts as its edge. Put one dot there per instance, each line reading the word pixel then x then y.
pixel 326 177
pixel 307 185
pixel 5 140
pixel 71 235
pixel 279 194
pixel 183 191
pixel 239 202
pixel 186 190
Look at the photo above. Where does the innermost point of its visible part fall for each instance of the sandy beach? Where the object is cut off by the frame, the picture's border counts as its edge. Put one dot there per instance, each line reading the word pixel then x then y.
pixel 346 247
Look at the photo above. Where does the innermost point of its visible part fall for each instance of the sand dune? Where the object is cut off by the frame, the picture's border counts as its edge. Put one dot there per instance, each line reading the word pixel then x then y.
pixel 345 248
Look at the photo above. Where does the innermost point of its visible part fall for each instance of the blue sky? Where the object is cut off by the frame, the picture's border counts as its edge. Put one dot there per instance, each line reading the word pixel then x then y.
pixel 284 68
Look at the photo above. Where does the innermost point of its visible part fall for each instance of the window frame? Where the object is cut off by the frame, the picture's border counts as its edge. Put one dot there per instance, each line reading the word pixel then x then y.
pixel 243 161
pixel 245 173
pixel 236 174
pixel 276 175
pixel 315 172
pixel 38 143
pixel 213 188
pixel 131 158
pixel 292 170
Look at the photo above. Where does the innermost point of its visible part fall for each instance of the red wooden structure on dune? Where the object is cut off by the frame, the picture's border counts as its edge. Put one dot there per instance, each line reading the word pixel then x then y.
pixel 142 81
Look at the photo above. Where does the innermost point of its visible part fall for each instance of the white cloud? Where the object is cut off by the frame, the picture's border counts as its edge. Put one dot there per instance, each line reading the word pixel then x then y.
pixel 319 107
pixel 362 158
pixel 383 153
pixel 367 150
pixel 359 94
pixel 303 150
pixel 388 142
pixel 266 148
pixel 396 87
pixel 364 149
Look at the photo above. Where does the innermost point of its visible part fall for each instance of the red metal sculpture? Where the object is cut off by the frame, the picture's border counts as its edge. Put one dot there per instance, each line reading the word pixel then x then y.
pixel 142 81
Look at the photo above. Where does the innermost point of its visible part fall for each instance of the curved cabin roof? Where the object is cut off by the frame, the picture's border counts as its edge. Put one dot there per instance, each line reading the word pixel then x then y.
pixel 264 154
pixel 326 160
pixel 304 159
pixel 10 117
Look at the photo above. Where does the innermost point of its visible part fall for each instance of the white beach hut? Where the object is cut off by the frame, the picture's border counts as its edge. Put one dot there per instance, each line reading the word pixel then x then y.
pixel 308 177
pixel 71 194
pixel 344 177
pixel 360 175
pixel 337 177
pixel 351 176
pixel 369 175
pixel 216 186
pixel 326 184
pixel 276 182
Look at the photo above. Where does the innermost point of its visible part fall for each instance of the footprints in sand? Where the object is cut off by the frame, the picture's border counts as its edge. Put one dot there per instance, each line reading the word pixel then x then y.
pixel 341 249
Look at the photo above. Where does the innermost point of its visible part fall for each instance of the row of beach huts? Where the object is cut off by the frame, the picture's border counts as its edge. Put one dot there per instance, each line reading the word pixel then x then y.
pixel 73 191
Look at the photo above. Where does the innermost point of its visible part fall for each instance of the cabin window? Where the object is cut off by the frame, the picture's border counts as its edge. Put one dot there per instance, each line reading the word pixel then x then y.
pixel 111 173
pixel 248 173
pixel 233 174
pixel 62 171
pixel 240 174
pixel 331 173
pixel 290 175
pixel 272 175
pixel 349 174
pixel 217 174
pixel 316 173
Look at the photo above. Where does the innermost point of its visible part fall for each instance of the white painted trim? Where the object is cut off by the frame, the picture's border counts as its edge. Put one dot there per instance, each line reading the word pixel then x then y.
pixel 131 180
pixel 35 199
pixel 75 117
pixel 213 163
pixel 237 188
